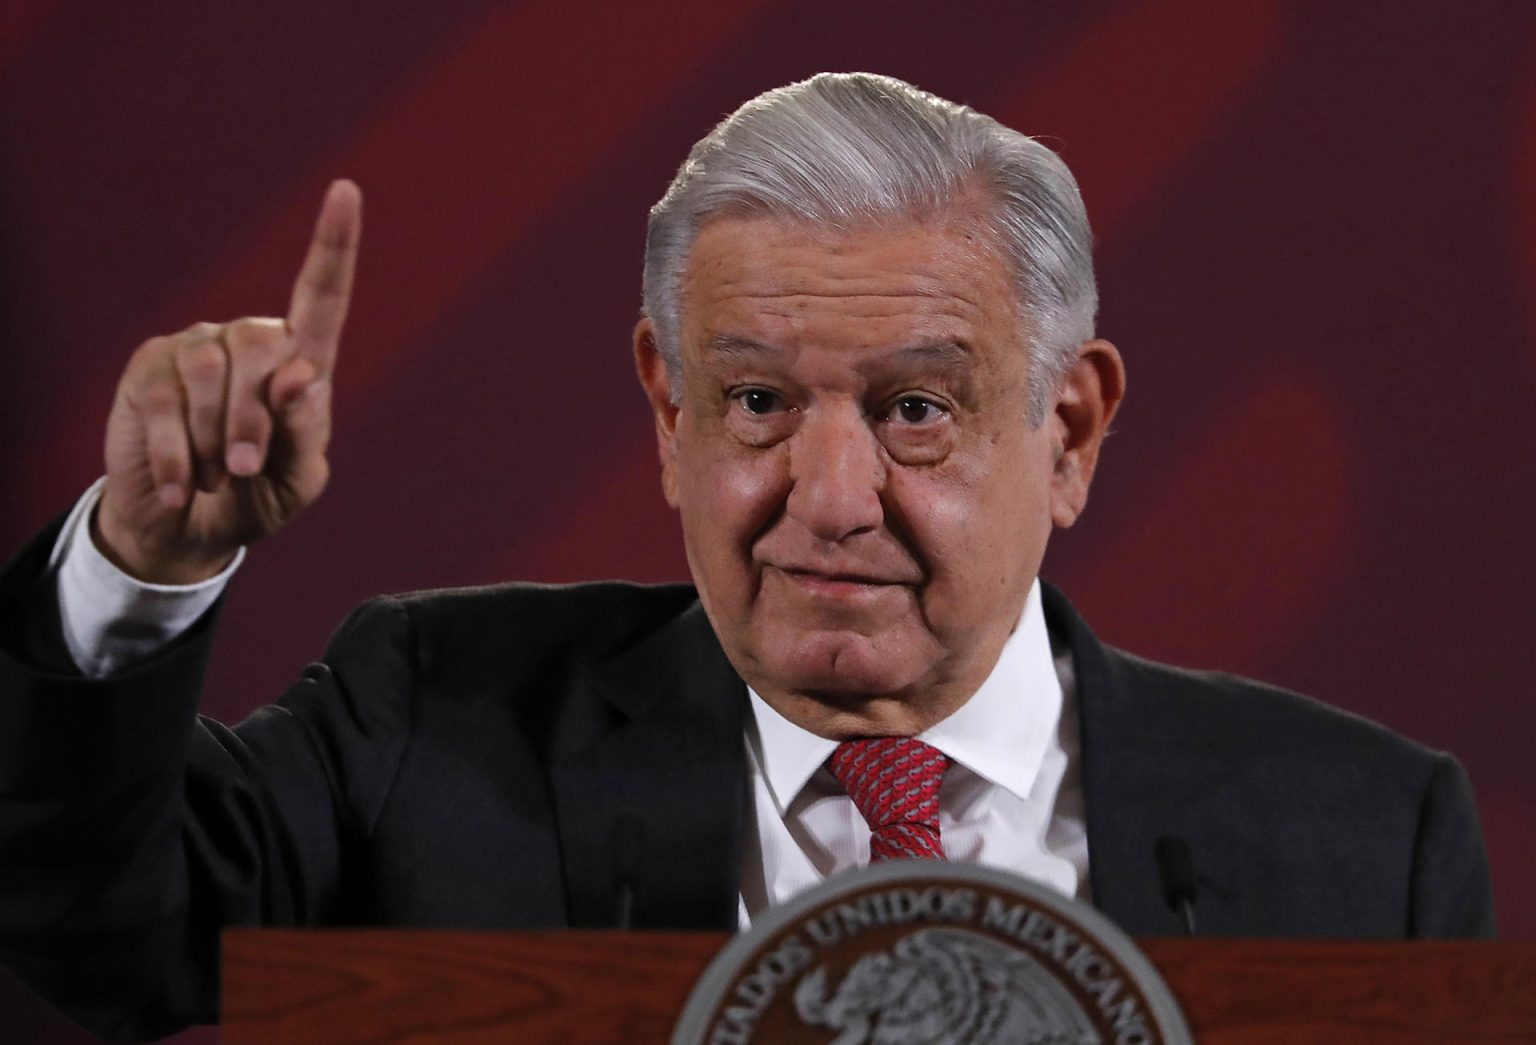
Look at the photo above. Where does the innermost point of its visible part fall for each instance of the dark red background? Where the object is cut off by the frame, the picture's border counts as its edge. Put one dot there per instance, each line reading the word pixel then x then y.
pixel 1316 240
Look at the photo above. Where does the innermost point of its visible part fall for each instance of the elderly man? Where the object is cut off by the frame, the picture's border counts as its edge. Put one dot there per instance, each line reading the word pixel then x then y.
pixel 868 349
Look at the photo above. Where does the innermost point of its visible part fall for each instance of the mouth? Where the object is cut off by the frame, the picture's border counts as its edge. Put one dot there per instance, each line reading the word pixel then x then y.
pixel 835 585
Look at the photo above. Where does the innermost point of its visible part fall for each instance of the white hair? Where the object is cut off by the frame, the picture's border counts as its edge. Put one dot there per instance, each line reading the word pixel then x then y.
pixel 855 148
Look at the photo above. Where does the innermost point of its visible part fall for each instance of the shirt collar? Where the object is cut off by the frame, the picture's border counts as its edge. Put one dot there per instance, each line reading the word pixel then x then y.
pixel 1000 733
pixel 788 755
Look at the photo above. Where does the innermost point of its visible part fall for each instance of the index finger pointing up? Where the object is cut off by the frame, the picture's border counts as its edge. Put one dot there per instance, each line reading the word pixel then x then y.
pixel 324 286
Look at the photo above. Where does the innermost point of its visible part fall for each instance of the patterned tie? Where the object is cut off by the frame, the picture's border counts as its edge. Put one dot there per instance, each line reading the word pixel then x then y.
pixel 895 783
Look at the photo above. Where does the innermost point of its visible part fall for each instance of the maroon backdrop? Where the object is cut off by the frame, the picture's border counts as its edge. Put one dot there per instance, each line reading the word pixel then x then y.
pixel 1316 237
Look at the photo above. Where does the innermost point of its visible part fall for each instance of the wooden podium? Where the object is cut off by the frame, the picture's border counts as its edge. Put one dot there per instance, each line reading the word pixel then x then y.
pixel 574 988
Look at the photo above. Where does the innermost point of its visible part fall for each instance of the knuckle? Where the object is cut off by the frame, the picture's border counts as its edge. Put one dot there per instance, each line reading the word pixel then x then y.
pixel 202 362
pixel 161 397
pixel 255 337
pixel 153 346
pixel 145 359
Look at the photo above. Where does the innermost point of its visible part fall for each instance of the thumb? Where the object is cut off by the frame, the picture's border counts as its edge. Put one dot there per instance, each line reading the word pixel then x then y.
pixel 289 383
pixel 301 408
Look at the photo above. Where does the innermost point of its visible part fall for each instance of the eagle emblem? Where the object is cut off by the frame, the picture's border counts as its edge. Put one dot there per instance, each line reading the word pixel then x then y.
pixel 945 986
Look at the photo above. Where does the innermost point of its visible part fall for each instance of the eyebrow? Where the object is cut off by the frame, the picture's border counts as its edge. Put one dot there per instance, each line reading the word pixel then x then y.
pixel 941 353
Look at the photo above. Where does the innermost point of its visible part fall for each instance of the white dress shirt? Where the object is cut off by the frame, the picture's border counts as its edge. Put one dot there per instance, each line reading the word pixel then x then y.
pixel 1011 797
pixel 110 619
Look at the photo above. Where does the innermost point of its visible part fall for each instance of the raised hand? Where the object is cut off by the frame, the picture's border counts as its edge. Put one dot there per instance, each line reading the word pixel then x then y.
pixel 217 436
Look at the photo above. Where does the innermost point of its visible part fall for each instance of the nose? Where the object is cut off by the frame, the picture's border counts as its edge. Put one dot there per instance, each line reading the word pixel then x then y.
pixel 837 474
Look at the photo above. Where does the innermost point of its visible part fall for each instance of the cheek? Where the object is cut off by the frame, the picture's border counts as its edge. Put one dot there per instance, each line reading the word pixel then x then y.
pixel 958 534
pixel 726 496
pixel 980 535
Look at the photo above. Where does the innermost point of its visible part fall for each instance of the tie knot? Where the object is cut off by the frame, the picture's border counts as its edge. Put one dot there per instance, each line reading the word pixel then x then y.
pixel 894 782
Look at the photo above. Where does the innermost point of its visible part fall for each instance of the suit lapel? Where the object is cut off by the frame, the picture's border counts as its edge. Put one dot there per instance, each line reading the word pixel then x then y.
pixel 660 745
pixel 659 759
pixel 1144 775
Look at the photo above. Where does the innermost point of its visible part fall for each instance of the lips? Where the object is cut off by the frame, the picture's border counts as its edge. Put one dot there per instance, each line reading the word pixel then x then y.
pixel 836 583
pixel 851 576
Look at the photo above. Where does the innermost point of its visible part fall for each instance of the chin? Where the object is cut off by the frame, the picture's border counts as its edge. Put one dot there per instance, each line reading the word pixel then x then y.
pixel 839 664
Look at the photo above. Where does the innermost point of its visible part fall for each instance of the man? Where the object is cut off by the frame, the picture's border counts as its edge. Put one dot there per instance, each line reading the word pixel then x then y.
pixel 868 348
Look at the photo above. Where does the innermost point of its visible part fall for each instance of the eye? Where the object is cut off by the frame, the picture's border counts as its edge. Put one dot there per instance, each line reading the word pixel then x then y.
pixel 915 410
pixel 759 401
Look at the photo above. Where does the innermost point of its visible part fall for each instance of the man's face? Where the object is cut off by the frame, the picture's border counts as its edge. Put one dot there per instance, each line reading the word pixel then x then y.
pixel 864 503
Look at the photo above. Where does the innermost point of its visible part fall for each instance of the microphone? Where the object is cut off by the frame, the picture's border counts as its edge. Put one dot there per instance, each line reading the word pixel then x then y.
pixel 1176 868
pixel 628 833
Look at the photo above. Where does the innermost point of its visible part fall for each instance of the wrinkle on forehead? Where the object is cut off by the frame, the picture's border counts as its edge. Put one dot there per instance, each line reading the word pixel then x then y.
pixel 864 297
pixel 777 260
pixel 945 351
pixel 795 288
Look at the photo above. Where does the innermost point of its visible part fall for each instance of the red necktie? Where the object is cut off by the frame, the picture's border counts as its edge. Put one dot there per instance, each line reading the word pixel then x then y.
pixel 895 783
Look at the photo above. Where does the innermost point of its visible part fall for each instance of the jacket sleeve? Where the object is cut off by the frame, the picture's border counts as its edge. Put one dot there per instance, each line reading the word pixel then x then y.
pixel 1451 895
pixel 132 831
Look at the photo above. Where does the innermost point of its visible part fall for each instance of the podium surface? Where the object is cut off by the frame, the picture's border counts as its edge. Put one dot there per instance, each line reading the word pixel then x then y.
pixel 571 987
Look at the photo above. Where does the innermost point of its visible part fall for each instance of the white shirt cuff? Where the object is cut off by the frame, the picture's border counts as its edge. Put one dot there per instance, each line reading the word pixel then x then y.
pixel 111 619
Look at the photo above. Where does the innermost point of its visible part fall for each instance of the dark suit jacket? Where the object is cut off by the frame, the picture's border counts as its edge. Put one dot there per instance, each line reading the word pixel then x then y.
pixel 463 758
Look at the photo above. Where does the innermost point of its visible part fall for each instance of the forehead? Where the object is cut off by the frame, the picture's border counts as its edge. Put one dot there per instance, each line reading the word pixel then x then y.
pixel 785 281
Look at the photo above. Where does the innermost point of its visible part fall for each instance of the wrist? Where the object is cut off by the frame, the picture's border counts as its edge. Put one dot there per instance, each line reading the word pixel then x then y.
pixel 172 567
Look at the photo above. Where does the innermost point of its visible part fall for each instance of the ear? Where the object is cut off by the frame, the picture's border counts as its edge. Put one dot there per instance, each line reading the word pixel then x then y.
pixel 652 371
pixel 1085 403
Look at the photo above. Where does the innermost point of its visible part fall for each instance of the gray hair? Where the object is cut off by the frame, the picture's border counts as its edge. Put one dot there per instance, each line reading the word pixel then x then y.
pixel 851 148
